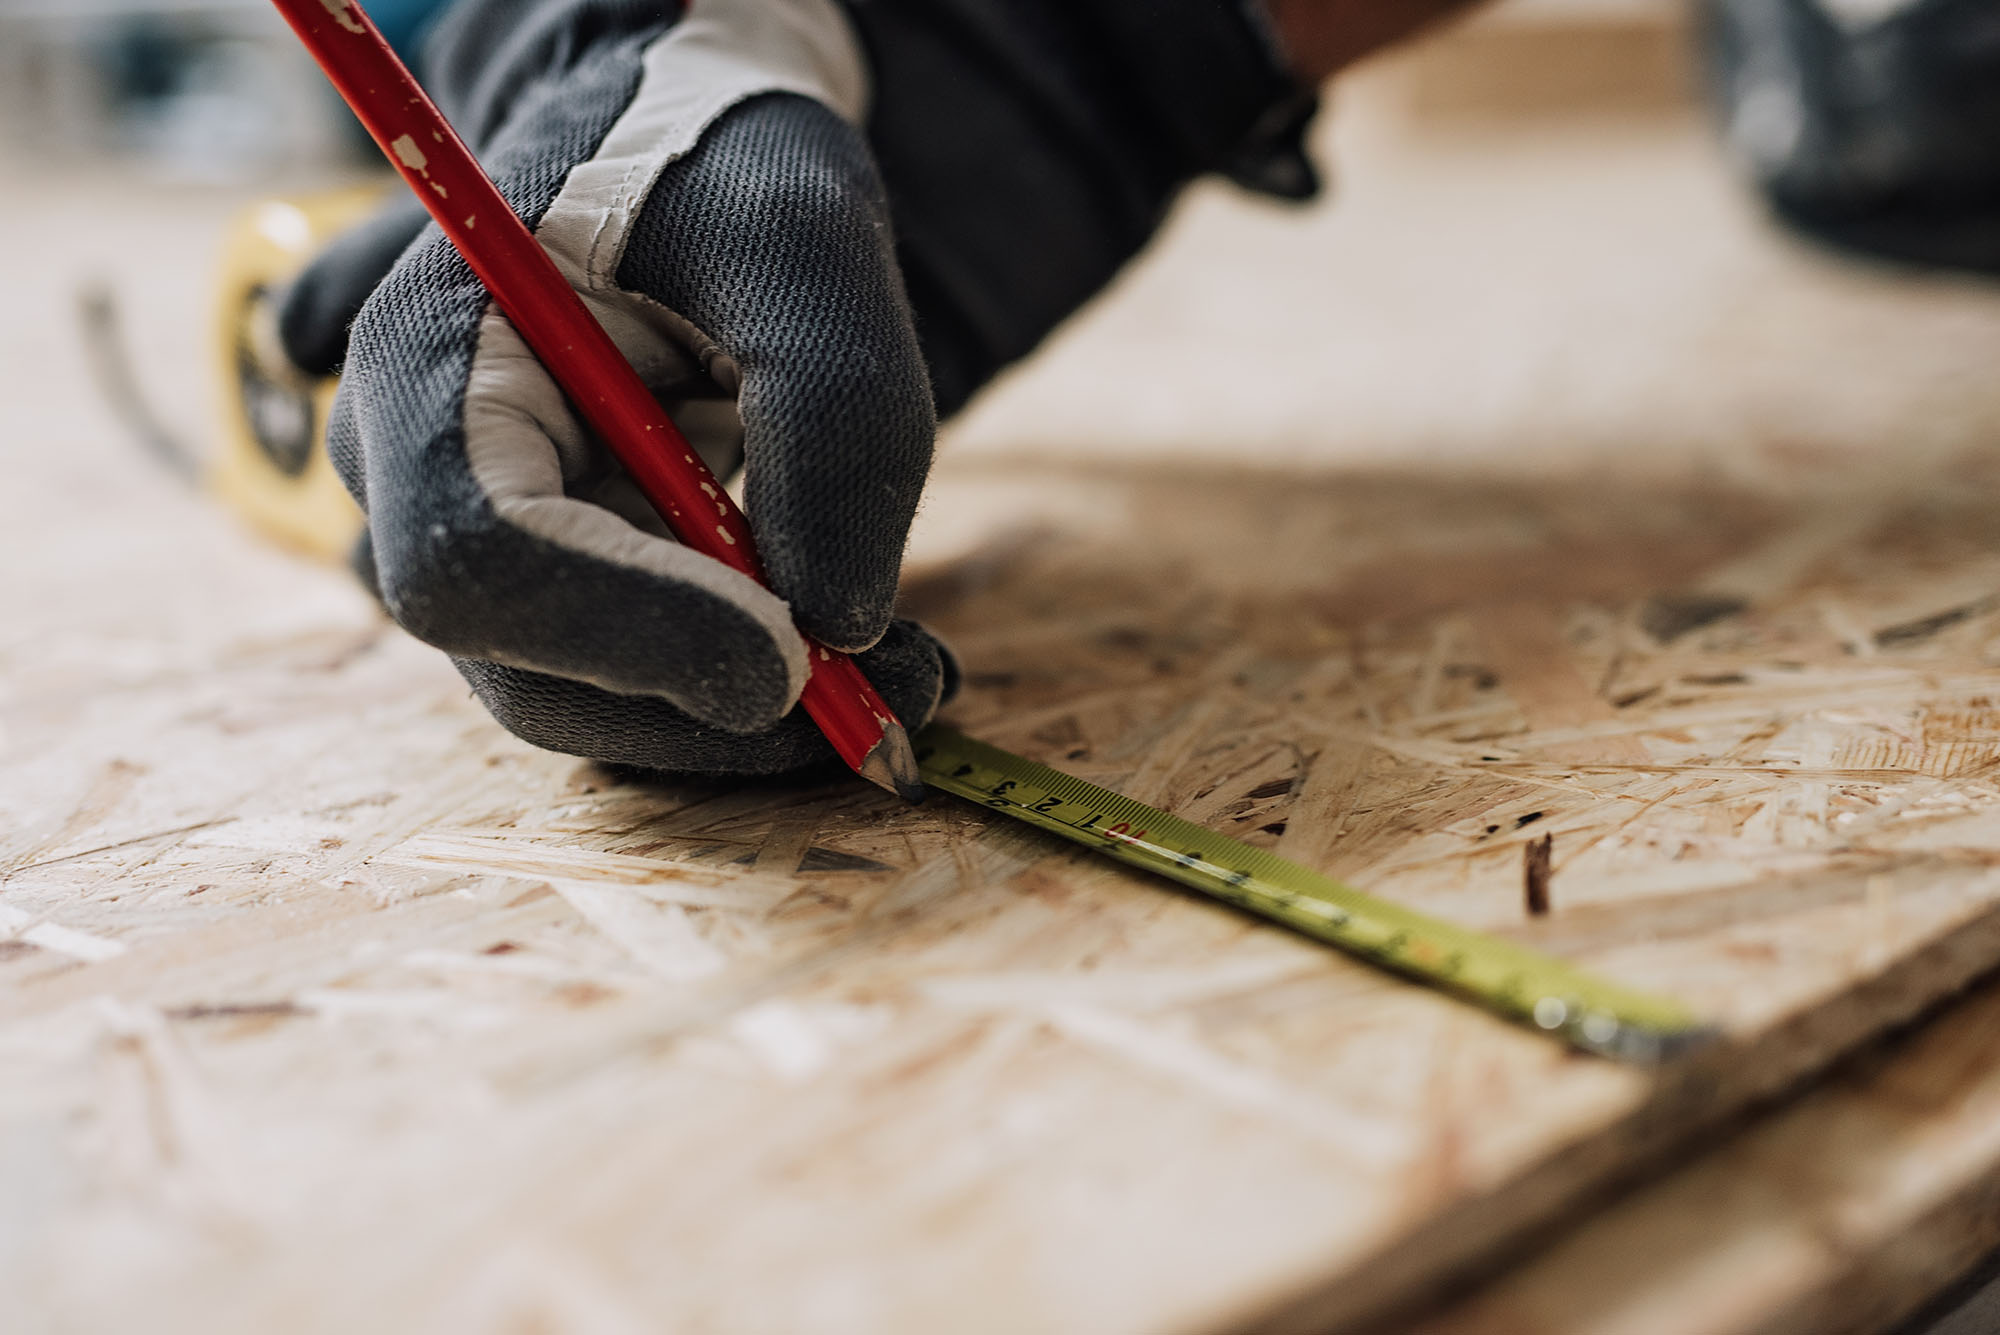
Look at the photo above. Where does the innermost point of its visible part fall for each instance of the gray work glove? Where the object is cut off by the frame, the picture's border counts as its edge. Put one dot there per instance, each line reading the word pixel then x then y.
pixel 729 191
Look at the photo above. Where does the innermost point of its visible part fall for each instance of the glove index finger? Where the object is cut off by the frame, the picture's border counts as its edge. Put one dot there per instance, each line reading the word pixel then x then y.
pixel 773 237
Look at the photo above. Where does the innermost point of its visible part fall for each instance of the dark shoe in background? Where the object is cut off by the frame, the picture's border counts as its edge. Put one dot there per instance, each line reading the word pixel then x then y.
pixel 1870 124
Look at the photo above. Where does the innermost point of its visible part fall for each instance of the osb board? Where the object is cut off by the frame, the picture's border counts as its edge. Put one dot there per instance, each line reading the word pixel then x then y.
pixel 1842 1215
pixel 329 1007
pixel 413 1028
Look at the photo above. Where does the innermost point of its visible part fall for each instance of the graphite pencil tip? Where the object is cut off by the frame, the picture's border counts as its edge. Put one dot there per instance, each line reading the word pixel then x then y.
pixel 892 766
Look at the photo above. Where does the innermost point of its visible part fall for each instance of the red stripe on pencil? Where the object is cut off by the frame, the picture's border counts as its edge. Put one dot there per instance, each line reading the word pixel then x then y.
pixel 600 383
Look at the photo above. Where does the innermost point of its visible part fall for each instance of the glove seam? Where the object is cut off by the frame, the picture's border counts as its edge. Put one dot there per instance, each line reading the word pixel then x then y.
pixel 534 506
pixel 724 53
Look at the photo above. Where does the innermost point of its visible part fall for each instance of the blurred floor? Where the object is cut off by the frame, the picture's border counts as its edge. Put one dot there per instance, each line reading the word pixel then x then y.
pixel 1508 292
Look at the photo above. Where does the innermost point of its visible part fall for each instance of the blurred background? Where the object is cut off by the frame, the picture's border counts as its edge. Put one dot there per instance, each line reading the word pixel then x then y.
pixel 1546 250
pixel 1531 219
pixel 189 90
pixel 196 90
pixel 1538 245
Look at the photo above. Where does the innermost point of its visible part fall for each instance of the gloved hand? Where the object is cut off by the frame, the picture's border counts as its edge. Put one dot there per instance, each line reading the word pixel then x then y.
pixel 708 186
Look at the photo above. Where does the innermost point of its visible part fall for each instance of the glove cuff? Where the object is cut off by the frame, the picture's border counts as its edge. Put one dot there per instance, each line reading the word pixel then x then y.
pixel 723 53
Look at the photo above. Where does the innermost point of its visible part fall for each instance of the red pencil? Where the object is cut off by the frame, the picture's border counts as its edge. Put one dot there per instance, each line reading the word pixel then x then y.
pixel 602 385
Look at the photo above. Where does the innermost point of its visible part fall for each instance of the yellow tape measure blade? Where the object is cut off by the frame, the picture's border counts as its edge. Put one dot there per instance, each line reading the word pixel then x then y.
pixel 1522 984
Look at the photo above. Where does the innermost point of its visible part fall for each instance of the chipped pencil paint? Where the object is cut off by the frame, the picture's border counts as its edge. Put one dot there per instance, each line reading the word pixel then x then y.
pixel 343 14
pixel 413 157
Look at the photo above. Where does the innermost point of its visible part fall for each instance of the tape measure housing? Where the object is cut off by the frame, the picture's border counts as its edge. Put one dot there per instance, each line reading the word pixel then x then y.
pixel 271 464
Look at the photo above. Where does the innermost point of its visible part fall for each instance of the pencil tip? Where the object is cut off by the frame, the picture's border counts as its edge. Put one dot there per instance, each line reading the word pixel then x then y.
pixel 892 766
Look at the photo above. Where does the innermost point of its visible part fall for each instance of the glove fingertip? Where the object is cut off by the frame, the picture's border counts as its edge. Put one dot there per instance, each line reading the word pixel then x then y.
pixel 914 670
pixel 316 310
pixel 312 325
pixel 951 673
pixel 849 626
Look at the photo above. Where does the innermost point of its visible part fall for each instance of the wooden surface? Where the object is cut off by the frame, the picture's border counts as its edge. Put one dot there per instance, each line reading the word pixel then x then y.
pixel 1531 491
pixel 1841 1215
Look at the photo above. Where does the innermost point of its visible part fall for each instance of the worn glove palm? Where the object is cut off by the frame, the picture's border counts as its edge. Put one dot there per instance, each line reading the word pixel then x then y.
pixel 707 185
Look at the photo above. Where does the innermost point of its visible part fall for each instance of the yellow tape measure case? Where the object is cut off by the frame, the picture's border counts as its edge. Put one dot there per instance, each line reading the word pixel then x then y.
pixel 272 464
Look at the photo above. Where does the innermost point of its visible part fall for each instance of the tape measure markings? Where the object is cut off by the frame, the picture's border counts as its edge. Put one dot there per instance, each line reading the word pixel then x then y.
pixel 1513 980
